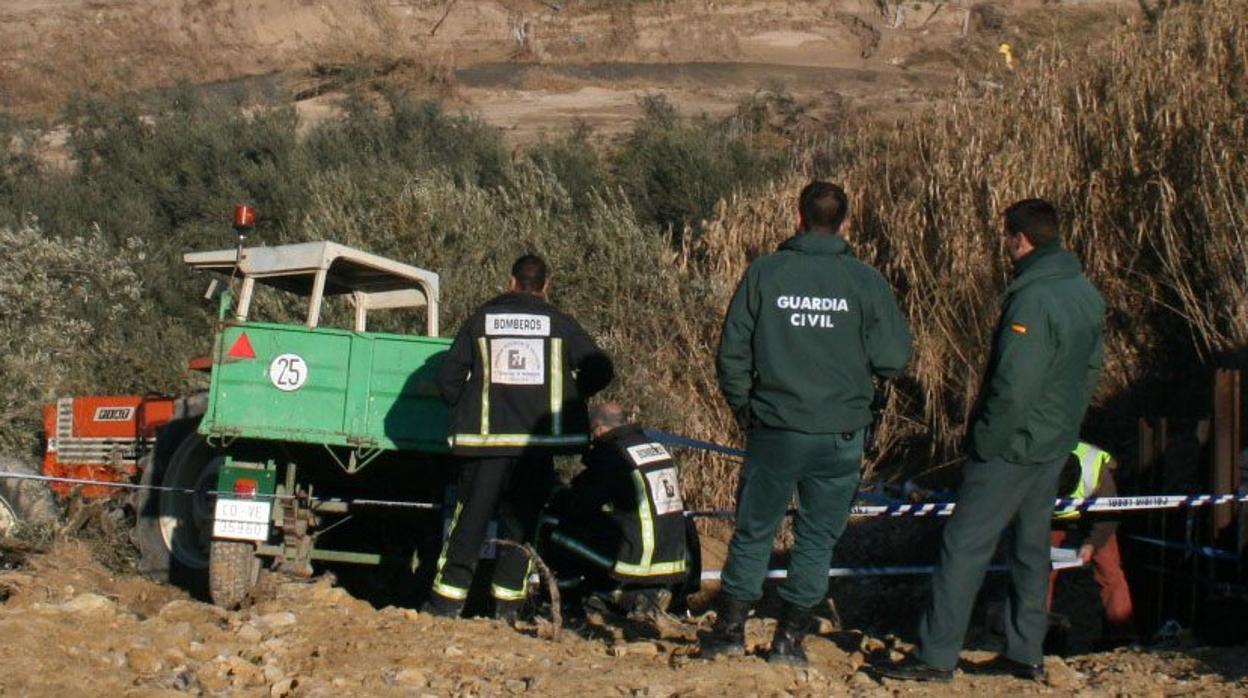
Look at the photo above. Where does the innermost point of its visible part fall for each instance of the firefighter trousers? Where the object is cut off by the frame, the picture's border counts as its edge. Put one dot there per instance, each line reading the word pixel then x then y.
pixel 1115 594
pixel 511 490
pixel 995 494
pixel 823 469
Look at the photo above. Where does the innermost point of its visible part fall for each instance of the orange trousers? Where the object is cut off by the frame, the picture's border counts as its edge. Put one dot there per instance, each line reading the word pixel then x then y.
pixel 1115 595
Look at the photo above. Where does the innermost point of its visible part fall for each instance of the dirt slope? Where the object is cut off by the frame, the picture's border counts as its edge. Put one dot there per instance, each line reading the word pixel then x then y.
pixel 859 53
pixel 72 628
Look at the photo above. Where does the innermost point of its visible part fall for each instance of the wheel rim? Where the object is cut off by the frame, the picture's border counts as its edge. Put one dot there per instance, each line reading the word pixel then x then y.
pixel 8 517
pixel 186 519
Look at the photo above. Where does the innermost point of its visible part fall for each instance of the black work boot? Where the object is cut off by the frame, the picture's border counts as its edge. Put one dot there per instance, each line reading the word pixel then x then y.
pixel 508 611
pixel 910 669
pixel 786 646
pixel 443 607
pixel 727 636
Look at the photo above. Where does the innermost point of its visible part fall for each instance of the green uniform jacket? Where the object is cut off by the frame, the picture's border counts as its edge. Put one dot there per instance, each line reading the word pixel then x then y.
pixel 806 330
pixel 1045 362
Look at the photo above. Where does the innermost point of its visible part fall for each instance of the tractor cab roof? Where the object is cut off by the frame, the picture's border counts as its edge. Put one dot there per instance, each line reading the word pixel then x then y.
pixel 317 269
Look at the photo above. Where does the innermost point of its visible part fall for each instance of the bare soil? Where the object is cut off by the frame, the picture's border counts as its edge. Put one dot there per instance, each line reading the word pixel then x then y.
pixel 71 627
pixel 584 61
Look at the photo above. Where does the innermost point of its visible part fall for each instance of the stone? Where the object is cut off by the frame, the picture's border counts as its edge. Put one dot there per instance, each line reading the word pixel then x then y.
pixel 871 645
pixel 453 651
pixel 200 652
pixel 411 677
pixel 279 620
pixel 89 603
pixel 143 660
pixel 642 648
pixel 249 634
pixel 856 660
pixel 516 686
pixel 213 681
pixel 273 673
pixel 283 687
pixel 1059 675
pixel 860 679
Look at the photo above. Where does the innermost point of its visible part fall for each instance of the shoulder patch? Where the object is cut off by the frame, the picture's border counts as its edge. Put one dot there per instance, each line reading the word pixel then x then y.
pixel 1018 327
pixel 647 453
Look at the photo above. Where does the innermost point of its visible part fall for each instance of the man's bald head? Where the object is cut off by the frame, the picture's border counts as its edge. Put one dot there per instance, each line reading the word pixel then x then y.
pixel 604 417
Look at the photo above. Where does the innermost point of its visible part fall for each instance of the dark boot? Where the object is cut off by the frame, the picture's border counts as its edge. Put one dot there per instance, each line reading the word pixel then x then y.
pixel 443 607
pixel 508 611
pixel 727 636
pixel 786 646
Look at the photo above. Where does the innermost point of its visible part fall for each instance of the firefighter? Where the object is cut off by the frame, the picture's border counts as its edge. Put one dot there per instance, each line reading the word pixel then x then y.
pixel 516 379
pixel 623 518
pixel 1089 472
pixel 808 328
pixel 1043 369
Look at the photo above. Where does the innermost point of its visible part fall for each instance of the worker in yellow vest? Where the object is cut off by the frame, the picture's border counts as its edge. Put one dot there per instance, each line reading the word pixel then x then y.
pixel 1089 472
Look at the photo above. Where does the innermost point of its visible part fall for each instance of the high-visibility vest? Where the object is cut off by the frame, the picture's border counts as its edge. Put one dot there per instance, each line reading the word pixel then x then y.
pixel 1091 461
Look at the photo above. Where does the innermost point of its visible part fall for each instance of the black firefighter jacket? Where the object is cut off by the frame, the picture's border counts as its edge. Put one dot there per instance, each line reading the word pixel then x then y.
pixel 633 480
pixel 517 377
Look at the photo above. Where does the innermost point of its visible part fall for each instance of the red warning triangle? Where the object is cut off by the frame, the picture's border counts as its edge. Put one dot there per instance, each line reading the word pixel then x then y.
pixel 242 348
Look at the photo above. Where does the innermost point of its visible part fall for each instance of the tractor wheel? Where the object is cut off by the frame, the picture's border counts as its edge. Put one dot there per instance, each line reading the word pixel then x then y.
pixel 232 572
pixel 173 528
pixel 24 502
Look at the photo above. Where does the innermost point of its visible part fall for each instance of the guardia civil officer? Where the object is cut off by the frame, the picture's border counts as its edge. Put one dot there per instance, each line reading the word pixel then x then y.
pixel 1043 369
pixel 516 379
pixel 623 517
pixel 808 328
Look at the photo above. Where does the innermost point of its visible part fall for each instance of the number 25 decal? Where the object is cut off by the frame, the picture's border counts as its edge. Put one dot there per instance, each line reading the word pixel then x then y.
pixel 288 372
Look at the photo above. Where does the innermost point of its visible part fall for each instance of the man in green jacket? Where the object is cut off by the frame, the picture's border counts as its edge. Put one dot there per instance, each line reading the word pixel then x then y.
pixel 1041 376
pixel 808 328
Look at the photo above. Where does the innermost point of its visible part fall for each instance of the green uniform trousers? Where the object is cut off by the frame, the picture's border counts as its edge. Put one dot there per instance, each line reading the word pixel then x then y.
pixel 994 494
pixel 824 470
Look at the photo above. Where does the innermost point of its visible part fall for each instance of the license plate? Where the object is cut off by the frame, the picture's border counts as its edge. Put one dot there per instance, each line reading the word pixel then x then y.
pixel 241 519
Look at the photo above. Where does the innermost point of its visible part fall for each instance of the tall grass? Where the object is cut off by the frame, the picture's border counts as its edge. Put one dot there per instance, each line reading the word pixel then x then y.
pixel 1143 144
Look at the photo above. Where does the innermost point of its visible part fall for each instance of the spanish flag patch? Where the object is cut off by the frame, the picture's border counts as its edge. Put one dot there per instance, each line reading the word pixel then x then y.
pixel 1019 328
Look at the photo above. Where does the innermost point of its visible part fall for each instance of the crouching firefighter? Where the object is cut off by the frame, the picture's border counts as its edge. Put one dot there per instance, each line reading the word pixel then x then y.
pixel 1089 472
pixel 620 527
pixel 516 378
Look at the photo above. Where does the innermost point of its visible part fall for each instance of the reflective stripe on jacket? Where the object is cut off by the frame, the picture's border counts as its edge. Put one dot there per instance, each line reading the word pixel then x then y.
pixel 635 482
pixel 517 377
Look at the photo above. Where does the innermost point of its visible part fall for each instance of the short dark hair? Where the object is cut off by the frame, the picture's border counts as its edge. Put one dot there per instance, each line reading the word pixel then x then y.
pixel 1034 218
pixel 530 273
pixel 823 205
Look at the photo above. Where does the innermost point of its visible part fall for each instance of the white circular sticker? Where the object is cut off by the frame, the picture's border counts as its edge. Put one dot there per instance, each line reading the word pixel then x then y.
pixel 288 372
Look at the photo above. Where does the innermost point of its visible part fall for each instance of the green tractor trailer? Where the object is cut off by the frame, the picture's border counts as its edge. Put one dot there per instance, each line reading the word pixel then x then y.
pixel 320 442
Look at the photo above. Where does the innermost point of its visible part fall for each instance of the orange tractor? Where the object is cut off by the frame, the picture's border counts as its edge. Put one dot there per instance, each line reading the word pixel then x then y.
pixel 101 439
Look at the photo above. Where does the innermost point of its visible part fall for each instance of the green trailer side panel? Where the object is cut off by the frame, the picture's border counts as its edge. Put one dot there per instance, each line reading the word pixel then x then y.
pixel 404 399
pixel 343 388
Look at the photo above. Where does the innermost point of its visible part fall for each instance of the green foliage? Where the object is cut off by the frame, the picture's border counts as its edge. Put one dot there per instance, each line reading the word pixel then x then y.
pixel 69 324
pixel 675 171
pixel 399 177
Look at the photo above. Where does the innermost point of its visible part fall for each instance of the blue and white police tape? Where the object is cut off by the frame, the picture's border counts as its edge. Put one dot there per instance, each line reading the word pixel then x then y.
pixel 886 571
pixel 1060 505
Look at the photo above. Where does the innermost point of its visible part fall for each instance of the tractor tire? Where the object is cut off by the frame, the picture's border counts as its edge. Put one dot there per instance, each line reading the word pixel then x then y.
pixel 172 528
pixel 233 572
pixel 24 502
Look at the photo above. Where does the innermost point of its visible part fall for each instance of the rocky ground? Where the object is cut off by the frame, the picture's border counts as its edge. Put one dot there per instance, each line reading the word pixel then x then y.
pixel 72 627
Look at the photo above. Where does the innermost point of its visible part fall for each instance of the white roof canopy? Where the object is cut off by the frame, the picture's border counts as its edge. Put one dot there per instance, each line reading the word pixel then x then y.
pixel 317 269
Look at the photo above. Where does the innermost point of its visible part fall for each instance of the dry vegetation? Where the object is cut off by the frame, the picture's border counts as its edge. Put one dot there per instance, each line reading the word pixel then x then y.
pixel 1142 143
